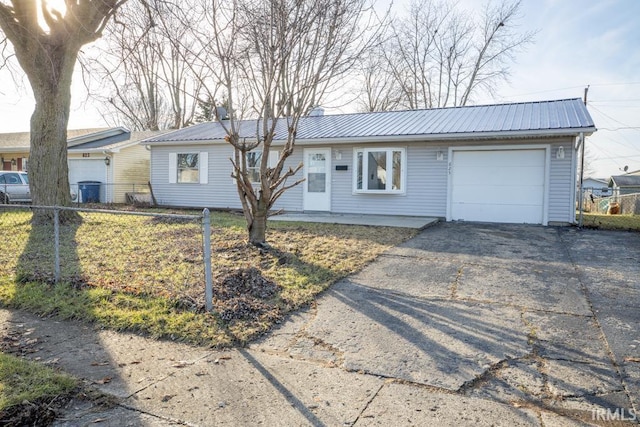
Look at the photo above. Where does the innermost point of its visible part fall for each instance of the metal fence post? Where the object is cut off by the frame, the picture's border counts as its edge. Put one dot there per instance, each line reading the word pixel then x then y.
pixel 206 230
pixel 56 239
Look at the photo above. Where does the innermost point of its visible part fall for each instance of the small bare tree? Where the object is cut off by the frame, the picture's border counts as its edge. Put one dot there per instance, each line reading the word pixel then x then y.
pixel 280 58
pixel 438 56
pixel 47 51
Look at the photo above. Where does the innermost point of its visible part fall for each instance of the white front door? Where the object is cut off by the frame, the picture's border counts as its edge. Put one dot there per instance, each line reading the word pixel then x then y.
pixel 317 186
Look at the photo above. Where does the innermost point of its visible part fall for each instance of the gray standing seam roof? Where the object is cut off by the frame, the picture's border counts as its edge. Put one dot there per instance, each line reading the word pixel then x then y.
pixel 552 117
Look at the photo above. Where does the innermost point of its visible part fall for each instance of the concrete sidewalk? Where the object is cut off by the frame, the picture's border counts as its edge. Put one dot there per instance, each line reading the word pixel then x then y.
pixel 479 325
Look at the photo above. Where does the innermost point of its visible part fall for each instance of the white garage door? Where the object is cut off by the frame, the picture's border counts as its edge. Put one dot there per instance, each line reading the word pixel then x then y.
pixel 498 186
pixel 88 170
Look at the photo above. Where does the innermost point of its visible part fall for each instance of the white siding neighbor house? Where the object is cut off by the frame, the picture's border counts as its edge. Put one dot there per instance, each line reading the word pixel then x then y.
pixel 111 157
pixel 511 163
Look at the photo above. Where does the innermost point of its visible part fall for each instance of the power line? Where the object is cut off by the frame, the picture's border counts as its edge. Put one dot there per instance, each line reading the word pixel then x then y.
pixel 621 128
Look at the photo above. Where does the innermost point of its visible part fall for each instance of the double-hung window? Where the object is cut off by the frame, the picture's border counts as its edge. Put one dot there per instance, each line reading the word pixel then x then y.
pixel 188 168
pixel 254 160
pixel 379 170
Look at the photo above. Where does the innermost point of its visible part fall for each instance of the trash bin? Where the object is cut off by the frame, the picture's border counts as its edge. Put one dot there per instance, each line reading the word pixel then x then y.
pixel 89 191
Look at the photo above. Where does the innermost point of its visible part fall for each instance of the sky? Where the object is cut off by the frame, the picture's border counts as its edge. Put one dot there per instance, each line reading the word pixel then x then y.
pixel 579 43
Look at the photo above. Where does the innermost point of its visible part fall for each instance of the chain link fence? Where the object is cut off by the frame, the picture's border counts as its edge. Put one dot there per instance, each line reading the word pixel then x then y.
pixel 613 211
pixel 156 254
pixel 627 204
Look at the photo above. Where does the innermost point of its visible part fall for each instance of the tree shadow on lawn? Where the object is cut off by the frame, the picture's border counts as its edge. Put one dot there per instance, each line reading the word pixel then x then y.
pixel 73 348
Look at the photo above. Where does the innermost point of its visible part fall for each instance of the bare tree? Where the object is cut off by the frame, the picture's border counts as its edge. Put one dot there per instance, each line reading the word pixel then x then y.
pixel 150 71
pixel 379 91
pixel 438 56
pixel 47 51
pixel 279 58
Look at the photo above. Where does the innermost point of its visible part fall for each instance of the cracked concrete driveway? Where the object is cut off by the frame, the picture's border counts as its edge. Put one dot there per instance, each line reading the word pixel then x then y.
pixel 539 318
pixel 466 324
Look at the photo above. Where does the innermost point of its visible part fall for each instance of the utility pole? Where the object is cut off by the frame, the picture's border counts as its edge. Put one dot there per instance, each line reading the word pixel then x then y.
pixel 580 192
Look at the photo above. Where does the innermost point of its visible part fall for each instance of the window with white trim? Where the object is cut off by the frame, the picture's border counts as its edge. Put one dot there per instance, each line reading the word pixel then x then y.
pixel 254 158
pixel 379 170
pixel 188 168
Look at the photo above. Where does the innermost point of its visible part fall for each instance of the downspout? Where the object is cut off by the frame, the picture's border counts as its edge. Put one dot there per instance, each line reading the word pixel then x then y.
pixel 581 199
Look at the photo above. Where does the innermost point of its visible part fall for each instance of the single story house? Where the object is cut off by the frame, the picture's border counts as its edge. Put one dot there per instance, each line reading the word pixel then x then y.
pixel 111 157
pixel 625 184
pixel 512 163
pixel 597 186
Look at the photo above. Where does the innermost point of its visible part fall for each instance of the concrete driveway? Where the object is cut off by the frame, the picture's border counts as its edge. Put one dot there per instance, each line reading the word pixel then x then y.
pixel 542 319
pixel 466 324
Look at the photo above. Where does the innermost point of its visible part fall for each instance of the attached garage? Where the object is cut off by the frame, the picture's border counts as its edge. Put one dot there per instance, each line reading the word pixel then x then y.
pixel 499 184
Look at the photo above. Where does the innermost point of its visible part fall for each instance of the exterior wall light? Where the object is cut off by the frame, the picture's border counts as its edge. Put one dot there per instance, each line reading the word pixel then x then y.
pixel 560 153
pixel 107 160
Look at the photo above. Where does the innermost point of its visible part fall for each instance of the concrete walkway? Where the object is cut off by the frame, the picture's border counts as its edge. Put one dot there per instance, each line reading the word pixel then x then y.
pixel 478 325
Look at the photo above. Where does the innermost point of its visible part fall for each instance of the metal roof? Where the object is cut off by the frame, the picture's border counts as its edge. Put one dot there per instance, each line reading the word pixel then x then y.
pixel 625 181
pixel 541 118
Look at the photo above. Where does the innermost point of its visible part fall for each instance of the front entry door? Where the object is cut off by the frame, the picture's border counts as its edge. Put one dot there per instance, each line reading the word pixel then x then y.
pixel 317 186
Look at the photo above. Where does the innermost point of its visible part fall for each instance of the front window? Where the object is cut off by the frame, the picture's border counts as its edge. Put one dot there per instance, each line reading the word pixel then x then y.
pixel 253 165
pixel 379 170
pixel 188 168
pixel 254 160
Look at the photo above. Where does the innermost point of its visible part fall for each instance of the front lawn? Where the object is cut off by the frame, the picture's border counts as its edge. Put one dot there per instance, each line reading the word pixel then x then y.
pixel 145 274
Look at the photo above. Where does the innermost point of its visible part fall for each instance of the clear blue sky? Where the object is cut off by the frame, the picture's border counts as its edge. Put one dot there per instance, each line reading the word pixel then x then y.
pixel 579 43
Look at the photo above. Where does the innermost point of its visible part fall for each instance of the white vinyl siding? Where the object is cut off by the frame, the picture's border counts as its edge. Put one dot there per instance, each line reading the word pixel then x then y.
pixel 426 183
pixel 562 208
pixel 219 189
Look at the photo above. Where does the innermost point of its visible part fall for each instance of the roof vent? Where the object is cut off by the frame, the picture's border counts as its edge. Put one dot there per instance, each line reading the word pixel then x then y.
pixel 316 112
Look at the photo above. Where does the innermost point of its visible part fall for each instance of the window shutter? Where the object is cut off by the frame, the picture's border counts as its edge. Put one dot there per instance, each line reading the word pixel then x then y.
pixel 173 168
pixel 204 167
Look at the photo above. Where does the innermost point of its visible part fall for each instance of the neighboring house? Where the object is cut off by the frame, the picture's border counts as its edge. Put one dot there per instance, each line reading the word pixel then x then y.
pixel 625 184
pixel 597 186
pixel 512 163
pixel 14 148
pixel 111 157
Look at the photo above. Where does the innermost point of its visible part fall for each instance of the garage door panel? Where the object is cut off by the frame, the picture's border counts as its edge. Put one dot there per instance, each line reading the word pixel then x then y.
pixel 498 195
pixel 502 213
pixel 500 176
pixel 499 158
pixel 498 185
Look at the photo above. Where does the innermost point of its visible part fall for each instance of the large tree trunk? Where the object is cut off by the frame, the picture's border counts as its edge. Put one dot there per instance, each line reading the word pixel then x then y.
pixel 48 167
pixel 48 156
